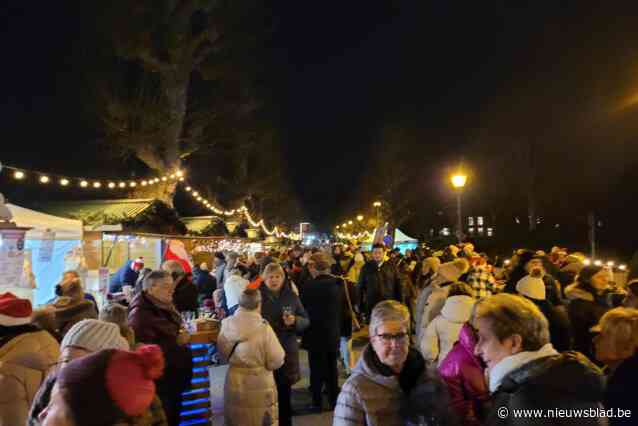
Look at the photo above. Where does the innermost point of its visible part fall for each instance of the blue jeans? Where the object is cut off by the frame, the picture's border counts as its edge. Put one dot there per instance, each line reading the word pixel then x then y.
pixel 344 348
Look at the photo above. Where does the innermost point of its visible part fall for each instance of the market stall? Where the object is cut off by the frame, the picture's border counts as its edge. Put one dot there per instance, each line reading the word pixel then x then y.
pixel 52 245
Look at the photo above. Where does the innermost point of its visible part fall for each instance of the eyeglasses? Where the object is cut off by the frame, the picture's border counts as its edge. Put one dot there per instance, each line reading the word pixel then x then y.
pixel 387 338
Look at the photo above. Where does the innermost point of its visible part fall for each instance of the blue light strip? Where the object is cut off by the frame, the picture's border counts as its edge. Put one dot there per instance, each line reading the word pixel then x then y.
pixel 194 391
pixel 200 369
pixel 192 412
pixel 200 380
pixel 195 401
pixel 194 422
pixel 197 346
pixel 199 358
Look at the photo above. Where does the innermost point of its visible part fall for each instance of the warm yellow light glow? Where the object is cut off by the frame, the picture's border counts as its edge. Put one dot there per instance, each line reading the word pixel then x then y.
pixel 18 174
pixel 122 185
pixel 164 178
pixel 179 173
pixel 349 222
pixel 97 184
pixel 132 184
pixel 144 183
pixel 458 180
pixel 111 185
pixel 360 218
pixel 377 204
pixel 172 176
pixel 195 194
pixel 622 267
pixel 44 179
pixel 64 182
pixel 84 184
pixel 188 189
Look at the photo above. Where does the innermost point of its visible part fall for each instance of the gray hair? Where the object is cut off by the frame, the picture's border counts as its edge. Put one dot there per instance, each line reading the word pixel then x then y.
pixel 250 299
pixel 152 277
pixel 510 314
pixel 174 268
pixel 389 310
pixel 271 268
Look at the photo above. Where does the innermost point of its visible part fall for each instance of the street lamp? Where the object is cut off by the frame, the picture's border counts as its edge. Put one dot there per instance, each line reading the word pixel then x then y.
pixel 458 182
pixel 377 204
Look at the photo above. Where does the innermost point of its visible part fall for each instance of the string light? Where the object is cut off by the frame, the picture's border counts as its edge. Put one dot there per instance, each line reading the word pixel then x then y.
pixel 64 182
pixel 164 178
pixel 144 183
pixel 111 185
pixel 18 174
pixel 122 185
pixel 188 189
pixel 132 184
pixel 84 184
pixel 44 179
pixel 97 185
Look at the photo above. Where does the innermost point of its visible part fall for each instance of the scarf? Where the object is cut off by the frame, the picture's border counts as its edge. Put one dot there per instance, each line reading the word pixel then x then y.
pixel 512 362
pixel 410 373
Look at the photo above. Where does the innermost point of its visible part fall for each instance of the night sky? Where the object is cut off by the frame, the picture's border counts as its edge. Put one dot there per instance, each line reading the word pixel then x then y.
pixel 345 69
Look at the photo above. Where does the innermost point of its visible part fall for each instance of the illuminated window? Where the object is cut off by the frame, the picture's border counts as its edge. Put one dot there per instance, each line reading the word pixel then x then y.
pixel 470 221
pixel 479 221
pixel 490 232
pixel 471 230
pixel 481 230
pixel 445 231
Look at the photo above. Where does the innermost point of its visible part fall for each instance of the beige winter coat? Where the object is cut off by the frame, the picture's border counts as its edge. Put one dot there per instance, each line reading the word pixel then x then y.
pixel 24 363
pixel 250 394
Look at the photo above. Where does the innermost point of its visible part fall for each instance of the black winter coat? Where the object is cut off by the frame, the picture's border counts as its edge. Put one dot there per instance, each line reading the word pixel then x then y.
pixel 565 381
pixel 618 394
pixel 560 332
pixel 185 296
pixel 585 310
pixel 205 283
pixel 272 311
pixel 377 284
pixel 324 300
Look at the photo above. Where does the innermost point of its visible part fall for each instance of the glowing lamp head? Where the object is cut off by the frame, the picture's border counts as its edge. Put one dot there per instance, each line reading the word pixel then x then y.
pixel 122 185
pixel 44 179
pixel 459 180
pixel 64 182
pixel 132 184
pixel 360 218
pixel 18 174
pixel 111 185
pixel 97 184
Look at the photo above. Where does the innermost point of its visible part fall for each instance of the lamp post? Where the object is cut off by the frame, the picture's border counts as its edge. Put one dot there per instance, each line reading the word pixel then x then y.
pixel 458 182
pixel 377 204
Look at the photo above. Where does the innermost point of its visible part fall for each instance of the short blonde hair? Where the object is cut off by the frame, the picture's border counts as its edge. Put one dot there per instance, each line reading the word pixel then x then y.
pixel 621 325
pixel 272 268
pixel 509 315
pixel 389 310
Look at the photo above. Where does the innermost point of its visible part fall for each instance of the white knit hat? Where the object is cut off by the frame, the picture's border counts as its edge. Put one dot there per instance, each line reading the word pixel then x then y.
pixel 94 335
pixel 532 287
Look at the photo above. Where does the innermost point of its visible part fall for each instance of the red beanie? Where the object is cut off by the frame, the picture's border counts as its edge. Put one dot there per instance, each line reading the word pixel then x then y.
pixel 109 385
pixel 14 311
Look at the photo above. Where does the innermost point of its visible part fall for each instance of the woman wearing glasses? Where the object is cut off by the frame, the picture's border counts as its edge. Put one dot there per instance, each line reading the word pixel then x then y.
pixel 390 385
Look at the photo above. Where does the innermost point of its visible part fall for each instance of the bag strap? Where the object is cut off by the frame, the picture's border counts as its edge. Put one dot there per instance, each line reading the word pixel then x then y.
pixel 232 351
pixel 264 323
pixel 352 313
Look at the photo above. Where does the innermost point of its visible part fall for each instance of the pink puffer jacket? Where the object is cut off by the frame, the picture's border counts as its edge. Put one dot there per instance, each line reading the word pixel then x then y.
pixel 463 373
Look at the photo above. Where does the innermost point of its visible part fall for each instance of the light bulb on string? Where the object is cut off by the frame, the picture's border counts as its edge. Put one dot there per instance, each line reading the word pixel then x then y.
pixel 122 185
pixel 18 175
pixel 97 185
pixel 164 178
pixel 111 185
pixel 84 184
pixel 172 176
pixel 195 194
pixel 64 182
pixel 44 179
pixel 188 189
pixel 144 183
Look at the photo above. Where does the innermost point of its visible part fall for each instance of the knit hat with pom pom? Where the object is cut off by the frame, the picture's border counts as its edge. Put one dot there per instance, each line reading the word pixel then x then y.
pixel 111 385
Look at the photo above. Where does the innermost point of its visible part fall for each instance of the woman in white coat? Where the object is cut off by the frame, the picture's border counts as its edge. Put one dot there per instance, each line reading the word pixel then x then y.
pixel 253 351
pixel 441 334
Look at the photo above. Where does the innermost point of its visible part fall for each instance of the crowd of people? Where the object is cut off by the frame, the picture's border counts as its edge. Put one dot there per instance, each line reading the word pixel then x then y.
pixel 454 337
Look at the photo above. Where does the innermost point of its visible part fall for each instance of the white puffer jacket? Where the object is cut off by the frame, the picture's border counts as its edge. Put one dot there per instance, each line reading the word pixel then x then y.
pixel 443 331
pixel 250 394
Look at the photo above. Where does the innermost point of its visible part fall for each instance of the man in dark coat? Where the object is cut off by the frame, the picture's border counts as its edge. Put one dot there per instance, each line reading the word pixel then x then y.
pixel 155 320
pixel 379 280
pixel 185 292
pixel 126 275
pixel 205 282
pixel 324 299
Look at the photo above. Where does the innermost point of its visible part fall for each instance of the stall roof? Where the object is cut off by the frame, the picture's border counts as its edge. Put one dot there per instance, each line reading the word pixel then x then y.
pixel 64 229
pixel 93 212
pixel 198 223
pixel 400 237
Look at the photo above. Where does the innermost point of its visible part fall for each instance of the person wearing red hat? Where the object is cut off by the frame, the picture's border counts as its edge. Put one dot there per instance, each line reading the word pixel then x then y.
pixel 107 388
pixel 26 355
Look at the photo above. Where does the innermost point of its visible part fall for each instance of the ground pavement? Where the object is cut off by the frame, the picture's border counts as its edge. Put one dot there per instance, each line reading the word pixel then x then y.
pixel 300 394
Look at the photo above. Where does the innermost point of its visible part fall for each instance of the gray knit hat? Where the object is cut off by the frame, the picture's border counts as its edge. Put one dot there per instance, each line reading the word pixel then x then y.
pixel 94 335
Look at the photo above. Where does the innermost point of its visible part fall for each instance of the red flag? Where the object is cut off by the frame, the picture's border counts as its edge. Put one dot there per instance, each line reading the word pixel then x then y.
pixel 175 250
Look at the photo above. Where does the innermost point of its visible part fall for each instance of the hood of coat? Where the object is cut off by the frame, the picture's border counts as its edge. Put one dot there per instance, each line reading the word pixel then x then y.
pixel 569 374
pixel 242 324
pixel 573 292
pixel 457 309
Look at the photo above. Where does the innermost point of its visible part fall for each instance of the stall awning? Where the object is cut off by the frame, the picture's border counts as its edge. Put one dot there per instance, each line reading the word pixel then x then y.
pixel 198 223
pixel 93 212
pixel 63 228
